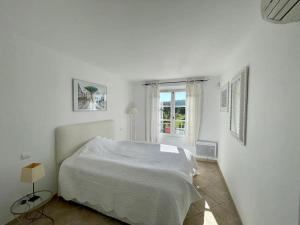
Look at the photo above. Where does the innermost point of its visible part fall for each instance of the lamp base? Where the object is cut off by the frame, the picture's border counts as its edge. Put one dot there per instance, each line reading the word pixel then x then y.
pixel 33 198
pixel 23 202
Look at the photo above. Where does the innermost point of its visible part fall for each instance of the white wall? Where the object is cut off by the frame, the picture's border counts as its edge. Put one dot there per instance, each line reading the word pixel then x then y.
pixel 210 116
pixel 264 176
pixel 211 108
pixel 36 97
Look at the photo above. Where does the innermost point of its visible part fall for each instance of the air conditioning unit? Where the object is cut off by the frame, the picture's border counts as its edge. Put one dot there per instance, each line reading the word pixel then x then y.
pixel 281 11
pixel 206 150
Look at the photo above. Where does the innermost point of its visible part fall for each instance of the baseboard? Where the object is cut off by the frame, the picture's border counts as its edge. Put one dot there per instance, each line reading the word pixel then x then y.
pixel 229 192
pixel 206 160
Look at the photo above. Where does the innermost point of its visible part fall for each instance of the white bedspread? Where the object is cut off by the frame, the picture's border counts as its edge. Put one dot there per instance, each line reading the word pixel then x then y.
pixel 138 183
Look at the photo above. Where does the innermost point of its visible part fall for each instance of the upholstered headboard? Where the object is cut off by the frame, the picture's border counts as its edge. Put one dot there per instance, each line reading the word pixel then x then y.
pixel 69 138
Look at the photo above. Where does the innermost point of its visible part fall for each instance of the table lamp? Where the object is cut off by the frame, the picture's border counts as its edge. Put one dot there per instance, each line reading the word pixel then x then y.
pixel 30 174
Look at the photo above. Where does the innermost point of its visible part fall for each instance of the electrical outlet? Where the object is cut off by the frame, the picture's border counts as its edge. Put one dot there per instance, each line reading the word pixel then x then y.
pixel 25 155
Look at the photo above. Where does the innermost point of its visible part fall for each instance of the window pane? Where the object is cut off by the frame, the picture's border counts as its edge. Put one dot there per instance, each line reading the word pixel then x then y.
pixel 180 113
pixel 180 127
pixel 165 127
pixel 166 113
pixel 180 97
pixel 168 100
pixel 165 99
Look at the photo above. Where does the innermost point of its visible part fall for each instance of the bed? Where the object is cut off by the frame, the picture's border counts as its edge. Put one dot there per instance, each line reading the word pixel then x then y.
pixel 137 183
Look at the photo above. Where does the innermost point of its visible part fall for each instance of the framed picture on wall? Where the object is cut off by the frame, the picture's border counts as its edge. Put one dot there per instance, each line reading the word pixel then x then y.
pixel 238 107
pixel 224 98
pixel 89 96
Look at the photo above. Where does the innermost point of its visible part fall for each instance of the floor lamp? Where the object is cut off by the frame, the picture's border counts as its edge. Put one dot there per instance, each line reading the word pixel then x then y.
pixel 132 111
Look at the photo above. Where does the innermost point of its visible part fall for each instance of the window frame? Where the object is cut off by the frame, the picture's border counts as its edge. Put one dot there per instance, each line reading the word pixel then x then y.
pixel 173 114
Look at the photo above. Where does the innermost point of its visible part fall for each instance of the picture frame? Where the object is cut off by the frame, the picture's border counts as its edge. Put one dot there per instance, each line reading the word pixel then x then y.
pixel 238 106
pixel 89 96
pixel 224 98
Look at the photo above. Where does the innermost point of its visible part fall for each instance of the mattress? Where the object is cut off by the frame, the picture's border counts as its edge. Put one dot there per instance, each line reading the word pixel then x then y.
pixel 138 183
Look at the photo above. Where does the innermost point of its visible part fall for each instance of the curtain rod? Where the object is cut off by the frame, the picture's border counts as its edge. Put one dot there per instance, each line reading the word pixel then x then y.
pixel 175 82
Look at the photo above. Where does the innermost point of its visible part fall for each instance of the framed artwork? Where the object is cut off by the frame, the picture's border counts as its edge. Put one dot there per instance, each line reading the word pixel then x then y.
pixel 89 96
pixel 224 98
pixel 238 107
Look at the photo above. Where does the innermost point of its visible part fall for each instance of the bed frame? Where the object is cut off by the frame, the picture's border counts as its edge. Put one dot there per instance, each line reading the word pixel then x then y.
pixel 69 138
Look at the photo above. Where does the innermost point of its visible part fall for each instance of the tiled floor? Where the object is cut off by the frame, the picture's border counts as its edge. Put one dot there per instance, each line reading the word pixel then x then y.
pixel 216 208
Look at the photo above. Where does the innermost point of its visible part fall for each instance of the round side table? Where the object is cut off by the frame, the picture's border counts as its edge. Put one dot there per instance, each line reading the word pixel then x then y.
pixel 24 208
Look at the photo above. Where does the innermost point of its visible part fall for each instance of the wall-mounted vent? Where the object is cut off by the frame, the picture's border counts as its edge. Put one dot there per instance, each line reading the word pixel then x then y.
pixel 281 11
pixel 206 150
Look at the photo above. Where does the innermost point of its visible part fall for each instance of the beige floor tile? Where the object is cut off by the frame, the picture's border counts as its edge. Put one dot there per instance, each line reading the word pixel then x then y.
pixel 224 216
pixel 201 181
pixel 195 220
pixel 194 210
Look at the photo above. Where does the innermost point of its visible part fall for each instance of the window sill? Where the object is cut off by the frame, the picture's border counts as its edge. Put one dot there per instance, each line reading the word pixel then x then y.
pixel 172 135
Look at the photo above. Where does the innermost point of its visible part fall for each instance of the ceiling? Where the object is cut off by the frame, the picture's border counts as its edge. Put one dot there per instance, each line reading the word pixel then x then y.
pixel 137 39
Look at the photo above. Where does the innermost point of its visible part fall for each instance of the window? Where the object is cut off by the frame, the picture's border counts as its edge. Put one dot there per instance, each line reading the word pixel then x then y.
pixel 172 112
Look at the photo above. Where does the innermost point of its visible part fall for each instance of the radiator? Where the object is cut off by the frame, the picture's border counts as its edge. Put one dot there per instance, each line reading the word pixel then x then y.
pixel 207 149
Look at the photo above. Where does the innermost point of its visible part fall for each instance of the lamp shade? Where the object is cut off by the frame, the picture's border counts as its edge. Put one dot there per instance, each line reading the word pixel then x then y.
pixel 32 172
pixel 133 111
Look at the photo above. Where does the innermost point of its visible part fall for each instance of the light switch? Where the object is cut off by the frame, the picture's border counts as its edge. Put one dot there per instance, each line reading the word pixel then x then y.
pixel 25 155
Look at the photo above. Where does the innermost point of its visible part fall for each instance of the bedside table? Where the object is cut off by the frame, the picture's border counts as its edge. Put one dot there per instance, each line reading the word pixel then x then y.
pixel 23 207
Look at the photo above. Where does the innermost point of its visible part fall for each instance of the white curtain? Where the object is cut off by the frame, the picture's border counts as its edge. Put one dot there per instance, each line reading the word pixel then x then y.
pixel 193 111
pixel 152 113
